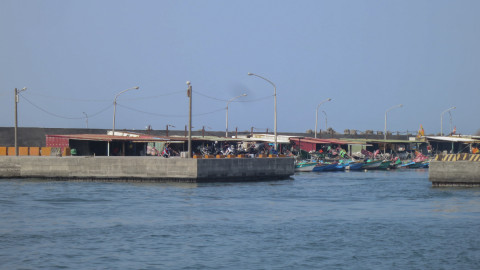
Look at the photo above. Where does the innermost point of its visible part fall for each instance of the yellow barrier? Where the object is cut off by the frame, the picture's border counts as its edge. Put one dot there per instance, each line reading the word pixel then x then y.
pixel 23 151
pixel 34 151
pixel 66 152
pixel 3 151
pixel 11 151
pixel 45 151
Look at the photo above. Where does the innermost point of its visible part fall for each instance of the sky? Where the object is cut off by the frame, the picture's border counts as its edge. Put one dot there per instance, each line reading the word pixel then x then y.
pixel 368 56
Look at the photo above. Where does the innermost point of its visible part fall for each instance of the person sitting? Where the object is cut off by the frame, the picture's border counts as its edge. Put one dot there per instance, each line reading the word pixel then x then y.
pixel 166 152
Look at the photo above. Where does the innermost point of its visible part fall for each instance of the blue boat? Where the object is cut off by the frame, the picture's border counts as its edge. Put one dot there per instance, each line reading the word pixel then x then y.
pixel 355 166
pixel 323 167
pixel 340 167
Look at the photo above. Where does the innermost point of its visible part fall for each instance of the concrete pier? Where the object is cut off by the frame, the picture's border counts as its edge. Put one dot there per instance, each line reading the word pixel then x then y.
pixel 147 168
pixel 455 170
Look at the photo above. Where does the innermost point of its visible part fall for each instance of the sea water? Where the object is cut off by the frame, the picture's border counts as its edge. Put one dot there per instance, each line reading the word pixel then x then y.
pixel 328 220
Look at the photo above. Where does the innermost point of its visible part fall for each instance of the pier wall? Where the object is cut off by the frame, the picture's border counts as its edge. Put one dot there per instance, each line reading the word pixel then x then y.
pixel 146 168
pixel 452 171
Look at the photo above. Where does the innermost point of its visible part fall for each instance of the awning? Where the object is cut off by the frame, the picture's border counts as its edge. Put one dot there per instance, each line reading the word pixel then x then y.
pixel 452 139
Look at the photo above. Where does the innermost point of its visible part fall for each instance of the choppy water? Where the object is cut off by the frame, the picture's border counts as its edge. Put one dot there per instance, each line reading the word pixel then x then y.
pixel 344 220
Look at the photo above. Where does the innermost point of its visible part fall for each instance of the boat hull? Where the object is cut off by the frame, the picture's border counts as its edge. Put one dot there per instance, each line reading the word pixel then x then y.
pixel 372 165
pixel 355 166
pixel 305 166
pixel 325 167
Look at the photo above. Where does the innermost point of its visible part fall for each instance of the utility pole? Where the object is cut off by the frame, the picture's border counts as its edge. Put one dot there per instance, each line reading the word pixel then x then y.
pixel 86 117
pixel 16 118
pixel 189 94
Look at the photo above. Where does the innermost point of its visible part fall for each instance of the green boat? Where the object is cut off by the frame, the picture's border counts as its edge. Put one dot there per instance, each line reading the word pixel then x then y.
pixel 372 165
pixel 384 165
pixel 305 166
pixel 377 165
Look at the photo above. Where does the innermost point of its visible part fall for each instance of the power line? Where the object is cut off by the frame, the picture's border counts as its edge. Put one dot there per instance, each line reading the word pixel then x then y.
pixel 3 93
pixel 104 100
pixel 226 100
pixel 167 115
pixel 64 117
pixel 156 96
pixel 150 113
pixel 69 99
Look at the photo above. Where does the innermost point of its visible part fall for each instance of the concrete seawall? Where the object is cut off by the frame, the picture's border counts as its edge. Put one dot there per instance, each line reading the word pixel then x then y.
pixel 147 168
pixel 454 173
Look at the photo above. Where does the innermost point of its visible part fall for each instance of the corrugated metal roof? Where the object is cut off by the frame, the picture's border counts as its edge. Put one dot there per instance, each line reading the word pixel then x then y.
pixel 452 139
pixel 145 138
pixel 101 137
pixel 324 141
pixel 393 141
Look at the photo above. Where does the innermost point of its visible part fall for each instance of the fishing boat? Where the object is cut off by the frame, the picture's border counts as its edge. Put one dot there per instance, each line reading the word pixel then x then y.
pixel 354 166
pixel 305 166
pixel 415 164
pixel 384 165
pixel 340 167
pixel 372 165
pixel 420 161
pixel 323 167
pixel 396 163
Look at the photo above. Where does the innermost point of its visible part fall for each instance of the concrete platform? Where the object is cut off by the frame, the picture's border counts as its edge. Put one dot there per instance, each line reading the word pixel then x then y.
pixel 147 168
pixel 455 170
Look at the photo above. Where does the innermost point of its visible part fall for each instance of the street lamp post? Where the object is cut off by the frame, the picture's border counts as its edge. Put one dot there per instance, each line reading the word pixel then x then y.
pixel 114 111
pixel 326 126
pixel 275 106
pixel 232 99
pixel 86 117
pixel 441 119
pixel 385 131
pixel 316 115
pixel 167 129
pixel 189 94
pixel 16 117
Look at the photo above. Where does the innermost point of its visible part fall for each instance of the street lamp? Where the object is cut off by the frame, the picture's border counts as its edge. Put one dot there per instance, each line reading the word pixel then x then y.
pixel 167 129
pixel 114 111
pixel 326 126
pixel 275 107
pixel 441 119
pixel 16 117
pixel 316 115
pixel 189 94
pixel 232 99
pixel 86 117
pixel 385 131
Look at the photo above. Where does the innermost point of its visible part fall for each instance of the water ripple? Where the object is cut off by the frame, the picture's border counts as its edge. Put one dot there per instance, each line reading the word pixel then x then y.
pixel 351 220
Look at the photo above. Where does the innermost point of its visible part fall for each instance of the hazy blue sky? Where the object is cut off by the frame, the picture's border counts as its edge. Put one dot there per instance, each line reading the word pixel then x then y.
pixel 368 56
